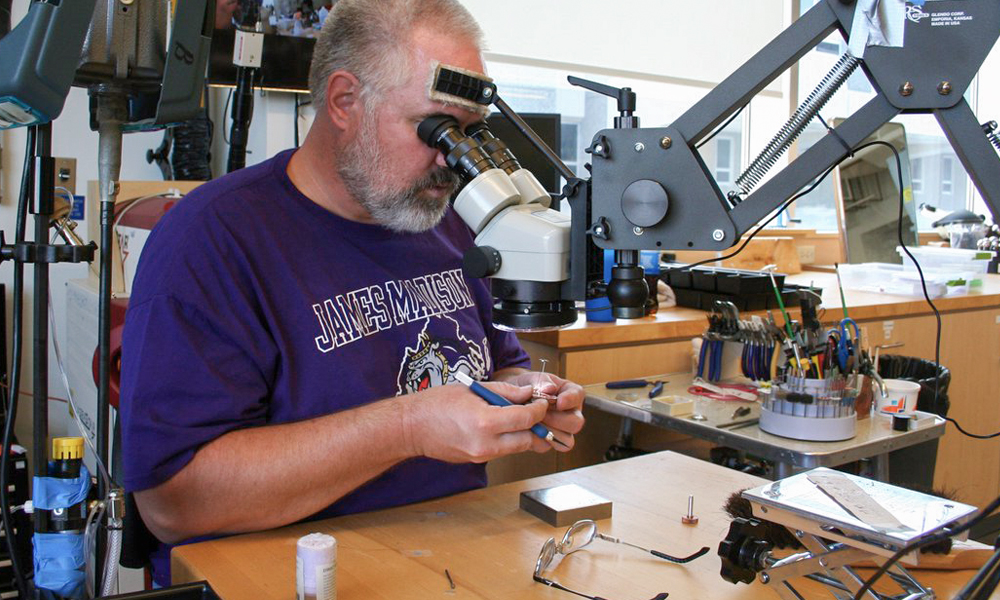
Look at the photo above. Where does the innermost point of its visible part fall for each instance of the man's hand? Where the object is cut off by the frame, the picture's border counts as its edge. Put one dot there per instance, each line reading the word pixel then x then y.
pixel 564 417
pixel 452 424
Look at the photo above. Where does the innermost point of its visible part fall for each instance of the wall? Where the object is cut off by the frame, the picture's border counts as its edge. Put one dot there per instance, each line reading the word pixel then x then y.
pixel 696 41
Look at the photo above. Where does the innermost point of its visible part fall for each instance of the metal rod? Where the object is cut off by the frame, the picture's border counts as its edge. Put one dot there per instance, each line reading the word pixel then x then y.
pixel 40 303
pixel 757 73
pixel 813 162
pixel 111 113
pixel 965 134
pixel 536 141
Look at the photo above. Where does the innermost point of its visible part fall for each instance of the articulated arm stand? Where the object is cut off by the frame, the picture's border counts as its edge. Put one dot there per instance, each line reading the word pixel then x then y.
pixel 637 172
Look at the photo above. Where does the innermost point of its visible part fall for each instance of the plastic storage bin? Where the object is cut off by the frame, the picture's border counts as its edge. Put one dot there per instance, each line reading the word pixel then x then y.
pixel 898 279
pixel 975 261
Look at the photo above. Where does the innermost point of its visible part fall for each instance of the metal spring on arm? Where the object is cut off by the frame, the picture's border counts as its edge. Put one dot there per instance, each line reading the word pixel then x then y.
pixel 795 125
pixel 990 129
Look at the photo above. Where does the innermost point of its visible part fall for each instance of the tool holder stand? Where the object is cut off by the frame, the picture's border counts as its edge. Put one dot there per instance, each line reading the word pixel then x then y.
pixel 746 556
pixel 828 416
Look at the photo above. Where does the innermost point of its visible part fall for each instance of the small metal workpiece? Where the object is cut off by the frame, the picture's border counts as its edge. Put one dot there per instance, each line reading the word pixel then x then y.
pixel 536 391
pixel 699 417
pixel 689 518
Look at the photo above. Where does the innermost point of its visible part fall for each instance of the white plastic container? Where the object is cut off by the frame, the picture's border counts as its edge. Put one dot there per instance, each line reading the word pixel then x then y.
pixel 316 567
pixel 946 259
pixel 898 279
pixel 901 398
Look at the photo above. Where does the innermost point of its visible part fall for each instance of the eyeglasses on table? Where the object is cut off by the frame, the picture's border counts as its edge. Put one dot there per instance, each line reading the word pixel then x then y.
pixel 577 537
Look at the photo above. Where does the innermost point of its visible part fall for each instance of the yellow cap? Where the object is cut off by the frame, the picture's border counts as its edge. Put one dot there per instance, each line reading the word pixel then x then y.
pixel 67 448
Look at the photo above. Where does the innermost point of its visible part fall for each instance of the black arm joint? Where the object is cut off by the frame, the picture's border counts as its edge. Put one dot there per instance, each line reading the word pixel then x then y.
pixel 571 187
pixel 30 252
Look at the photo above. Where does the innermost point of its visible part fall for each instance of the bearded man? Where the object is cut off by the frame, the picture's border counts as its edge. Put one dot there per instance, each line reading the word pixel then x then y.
pixel 295 328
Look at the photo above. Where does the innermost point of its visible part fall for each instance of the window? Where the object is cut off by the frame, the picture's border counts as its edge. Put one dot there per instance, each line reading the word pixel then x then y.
pixel 724 160
pixel 568 144
pixel 917 175
pixel 947 185
pixel 543 89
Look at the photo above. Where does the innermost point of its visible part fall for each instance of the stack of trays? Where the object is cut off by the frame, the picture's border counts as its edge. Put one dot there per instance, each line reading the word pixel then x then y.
pixel 748 290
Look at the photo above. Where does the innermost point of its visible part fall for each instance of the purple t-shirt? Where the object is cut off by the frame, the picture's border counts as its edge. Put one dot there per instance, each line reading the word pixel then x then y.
pixel 254 305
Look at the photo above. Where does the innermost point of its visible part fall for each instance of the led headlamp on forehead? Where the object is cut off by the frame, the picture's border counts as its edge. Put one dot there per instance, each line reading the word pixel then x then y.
pixel 460 87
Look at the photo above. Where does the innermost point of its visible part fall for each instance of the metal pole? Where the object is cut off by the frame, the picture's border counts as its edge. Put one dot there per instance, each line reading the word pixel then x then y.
pixel 111 113
pixel 41 208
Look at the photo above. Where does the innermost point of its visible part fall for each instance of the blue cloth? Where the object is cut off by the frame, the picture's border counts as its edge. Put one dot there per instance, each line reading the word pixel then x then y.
pixel 649 260
pixel 599 310
pixel 59 563
pixel 49 493
pixel 253 305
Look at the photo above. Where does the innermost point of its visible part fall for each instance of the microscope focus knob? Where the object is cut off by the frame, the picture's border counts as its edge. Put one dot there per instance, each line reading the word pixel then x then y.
pixel 481 261
pixel 645 202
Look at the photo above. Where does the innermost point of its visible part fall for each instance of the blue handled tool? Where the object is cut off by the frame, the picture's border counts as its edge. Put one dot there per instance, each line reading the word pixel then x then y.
pixel 847 343
pixel 497 400
pixel 626 384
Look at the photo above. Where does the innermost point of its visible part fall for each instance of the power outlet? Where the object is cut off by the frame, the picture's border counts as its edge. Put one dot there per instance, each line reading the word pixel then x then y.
pixel 807 254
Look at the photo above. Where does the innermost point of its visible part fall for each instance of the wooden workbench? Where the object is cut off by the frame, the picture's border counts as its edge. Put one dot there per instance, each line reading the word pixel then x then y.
pixel 591 353
pixel 489 546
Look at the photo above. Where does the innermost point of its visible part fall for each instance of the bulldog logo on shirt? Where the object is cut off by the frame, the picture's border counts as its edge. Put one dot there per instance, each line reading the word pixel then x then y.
pixel 435 358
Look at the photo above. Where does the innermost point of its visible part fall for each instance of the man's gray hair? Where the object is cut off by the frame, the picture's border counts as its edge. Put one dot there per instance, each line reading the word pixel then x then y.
pixel 370 39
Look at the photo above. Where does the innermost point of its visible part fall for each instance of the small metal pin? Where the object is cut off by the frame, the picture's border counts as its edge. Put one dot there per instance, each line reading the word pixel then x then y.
pixel 537 388
pixel 450 581
pixel 689 518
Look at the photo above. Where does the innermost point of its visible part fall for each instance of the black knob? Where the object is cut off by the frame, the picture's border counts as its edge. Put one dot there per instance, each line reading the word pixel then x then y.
pixel 481 261
pixel 743 550
pixel 645 202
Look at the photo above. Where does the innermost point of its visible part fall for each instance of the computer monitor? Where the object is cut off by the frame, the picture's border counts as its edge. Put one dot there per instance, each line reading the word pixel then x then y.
pixel 549 127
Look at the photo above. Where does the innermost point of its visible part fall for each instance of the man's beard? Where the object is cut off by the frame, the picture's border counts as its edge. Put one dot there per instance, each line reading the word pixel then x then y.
pixel 366 175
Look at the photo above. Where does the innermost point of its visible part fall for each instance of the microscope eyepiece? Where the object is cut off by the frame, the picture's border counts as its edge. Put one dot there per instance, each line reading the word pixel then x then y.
pixel 431 128
pixel 462 153
pixel 493 146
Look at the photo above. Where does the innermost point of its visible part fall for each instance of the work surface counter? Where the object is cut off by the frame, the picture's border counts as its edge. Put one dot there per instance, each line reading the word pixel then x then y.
pixel 688 322
pixel 593 353
pixel 489 546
